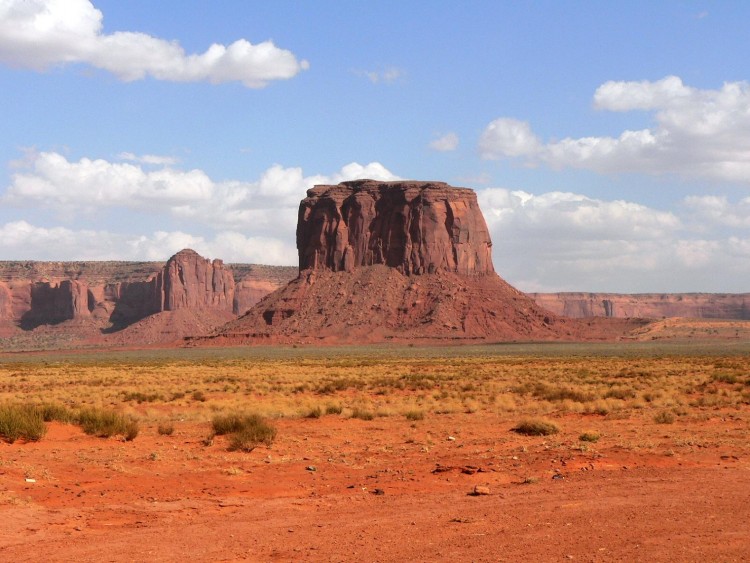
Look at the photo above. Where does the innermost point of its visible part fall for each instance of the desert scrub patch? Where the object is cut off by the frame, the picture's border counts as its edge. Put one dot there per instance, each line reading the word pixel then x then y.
pixel 165 429
pixel 664 417
pixel 246 431
pixel 589 436
pixel 536 427
pixel 621 393
pixel 332 408
pixel 362 413
pixel 21 421
pixel 107 423
pixel 414 415
pixel 56 412
pixel 313 412
pixel 141 397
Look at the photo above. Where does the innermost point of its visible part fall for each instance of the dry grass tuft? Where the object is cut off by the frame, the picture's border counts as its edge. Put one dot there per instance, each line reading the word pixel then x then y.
pixel 107 423
pixel 246 431
pixel 21 421
pixel 536 427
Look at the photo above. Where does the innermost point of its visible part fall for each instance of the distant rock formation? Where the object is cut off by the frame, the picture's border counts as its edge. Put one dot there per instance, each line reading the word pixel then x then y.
pixel 647 305
pixel 395 260
pixel 109 296
pixel 414 227
pixel 190 281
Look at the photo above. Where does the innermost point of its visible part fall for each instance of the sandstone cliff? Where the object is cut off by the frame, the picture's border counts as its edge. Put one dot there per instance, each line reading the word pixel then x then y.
pixel 414 227
pixel 94 297
pixel 190 281
pixel 647 305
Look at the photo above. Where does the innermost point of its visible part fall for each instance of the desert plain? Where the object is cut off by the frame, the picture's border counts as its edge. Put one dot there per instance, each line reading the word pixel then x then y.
pixel 634 451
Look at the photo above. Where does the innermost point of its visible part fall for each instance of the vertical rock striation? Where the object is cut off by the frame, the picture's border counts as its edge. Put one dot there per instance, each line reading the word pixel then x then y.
pixel 415 227
pixel 190 281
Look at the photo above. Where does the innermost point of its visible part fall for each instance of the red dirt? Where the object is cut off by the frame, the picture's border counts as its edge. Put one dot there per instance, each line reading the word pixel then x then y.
pixel 644 492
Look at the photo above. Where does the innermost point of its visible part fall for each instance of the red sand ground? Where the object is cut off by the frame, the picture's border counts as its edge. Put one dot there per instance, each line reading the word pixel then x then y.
pixel 644 492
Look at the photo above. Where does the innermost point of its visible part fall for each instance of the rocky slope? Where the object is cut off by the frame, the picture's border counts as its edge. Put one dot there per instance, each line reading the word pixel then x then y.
pixel 647 305
pixel 396 260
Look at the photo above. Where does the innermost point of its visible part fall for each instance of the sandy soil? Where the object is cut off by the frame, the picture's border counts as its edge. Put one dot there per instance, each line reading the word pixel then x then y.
pixel 337 489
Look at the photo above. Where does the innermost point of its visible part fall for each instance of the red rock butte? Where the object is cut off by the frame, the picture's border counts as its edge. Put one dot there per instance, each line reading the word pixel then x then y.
pixel 414 227
pixel 396 261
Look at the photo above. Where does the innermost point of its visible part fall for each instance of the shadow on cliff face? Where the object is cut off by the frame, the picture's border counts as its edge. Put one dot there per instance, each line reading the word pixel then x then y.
pixel 133 302
pixel 53 303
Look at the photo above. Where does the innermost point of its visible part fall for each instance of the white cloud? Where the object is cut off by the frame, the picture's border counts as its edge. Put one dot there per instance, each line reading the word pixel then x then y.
pixel 153 159
pixel 388 75
pixel 644 95
pixel 561 241
pixel 20 239
pixel 718 210
pixel 39 34
pixel 445 143
pixel 508 137
pixel 54 181
pixel 266 207
pixel 697 133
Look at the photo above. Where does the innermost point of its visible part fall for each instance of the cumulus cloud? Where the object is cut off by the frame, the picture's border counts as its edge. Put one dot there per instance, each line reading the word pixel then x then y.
pixel 445 143
pixel 718 210
pixel 261 213
pixel 50 179
pixel 697 133
pixel 39 34
pixel 508 137
pixel 561 241
pixel 19 240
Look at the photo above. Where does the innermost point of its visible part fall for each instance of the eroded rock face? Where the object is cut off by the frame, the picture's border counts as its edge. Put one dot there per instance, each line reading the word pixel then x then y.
pixel 415 227
pixel 190 281
pixel 647 305
pixel 6 302
pixel 56 302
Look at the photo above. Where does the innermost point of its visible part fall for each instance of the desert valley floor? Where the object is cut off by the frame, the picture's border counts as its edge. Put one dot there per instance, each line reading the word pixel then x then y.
pixel 387 453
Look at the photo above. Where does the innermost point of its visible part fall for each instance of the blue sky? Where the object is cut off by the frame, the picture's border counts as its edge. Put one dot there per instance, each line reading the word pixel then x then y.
pixel 609 142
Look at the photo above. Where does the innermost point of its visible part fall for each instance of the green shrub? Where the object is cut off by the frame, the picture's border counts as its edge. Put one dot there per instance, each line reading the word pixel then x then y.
pixel 107 423
pixel 56 412
pixel 21 421
pixel 536 427
pixel 247 431
pixel 589 437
